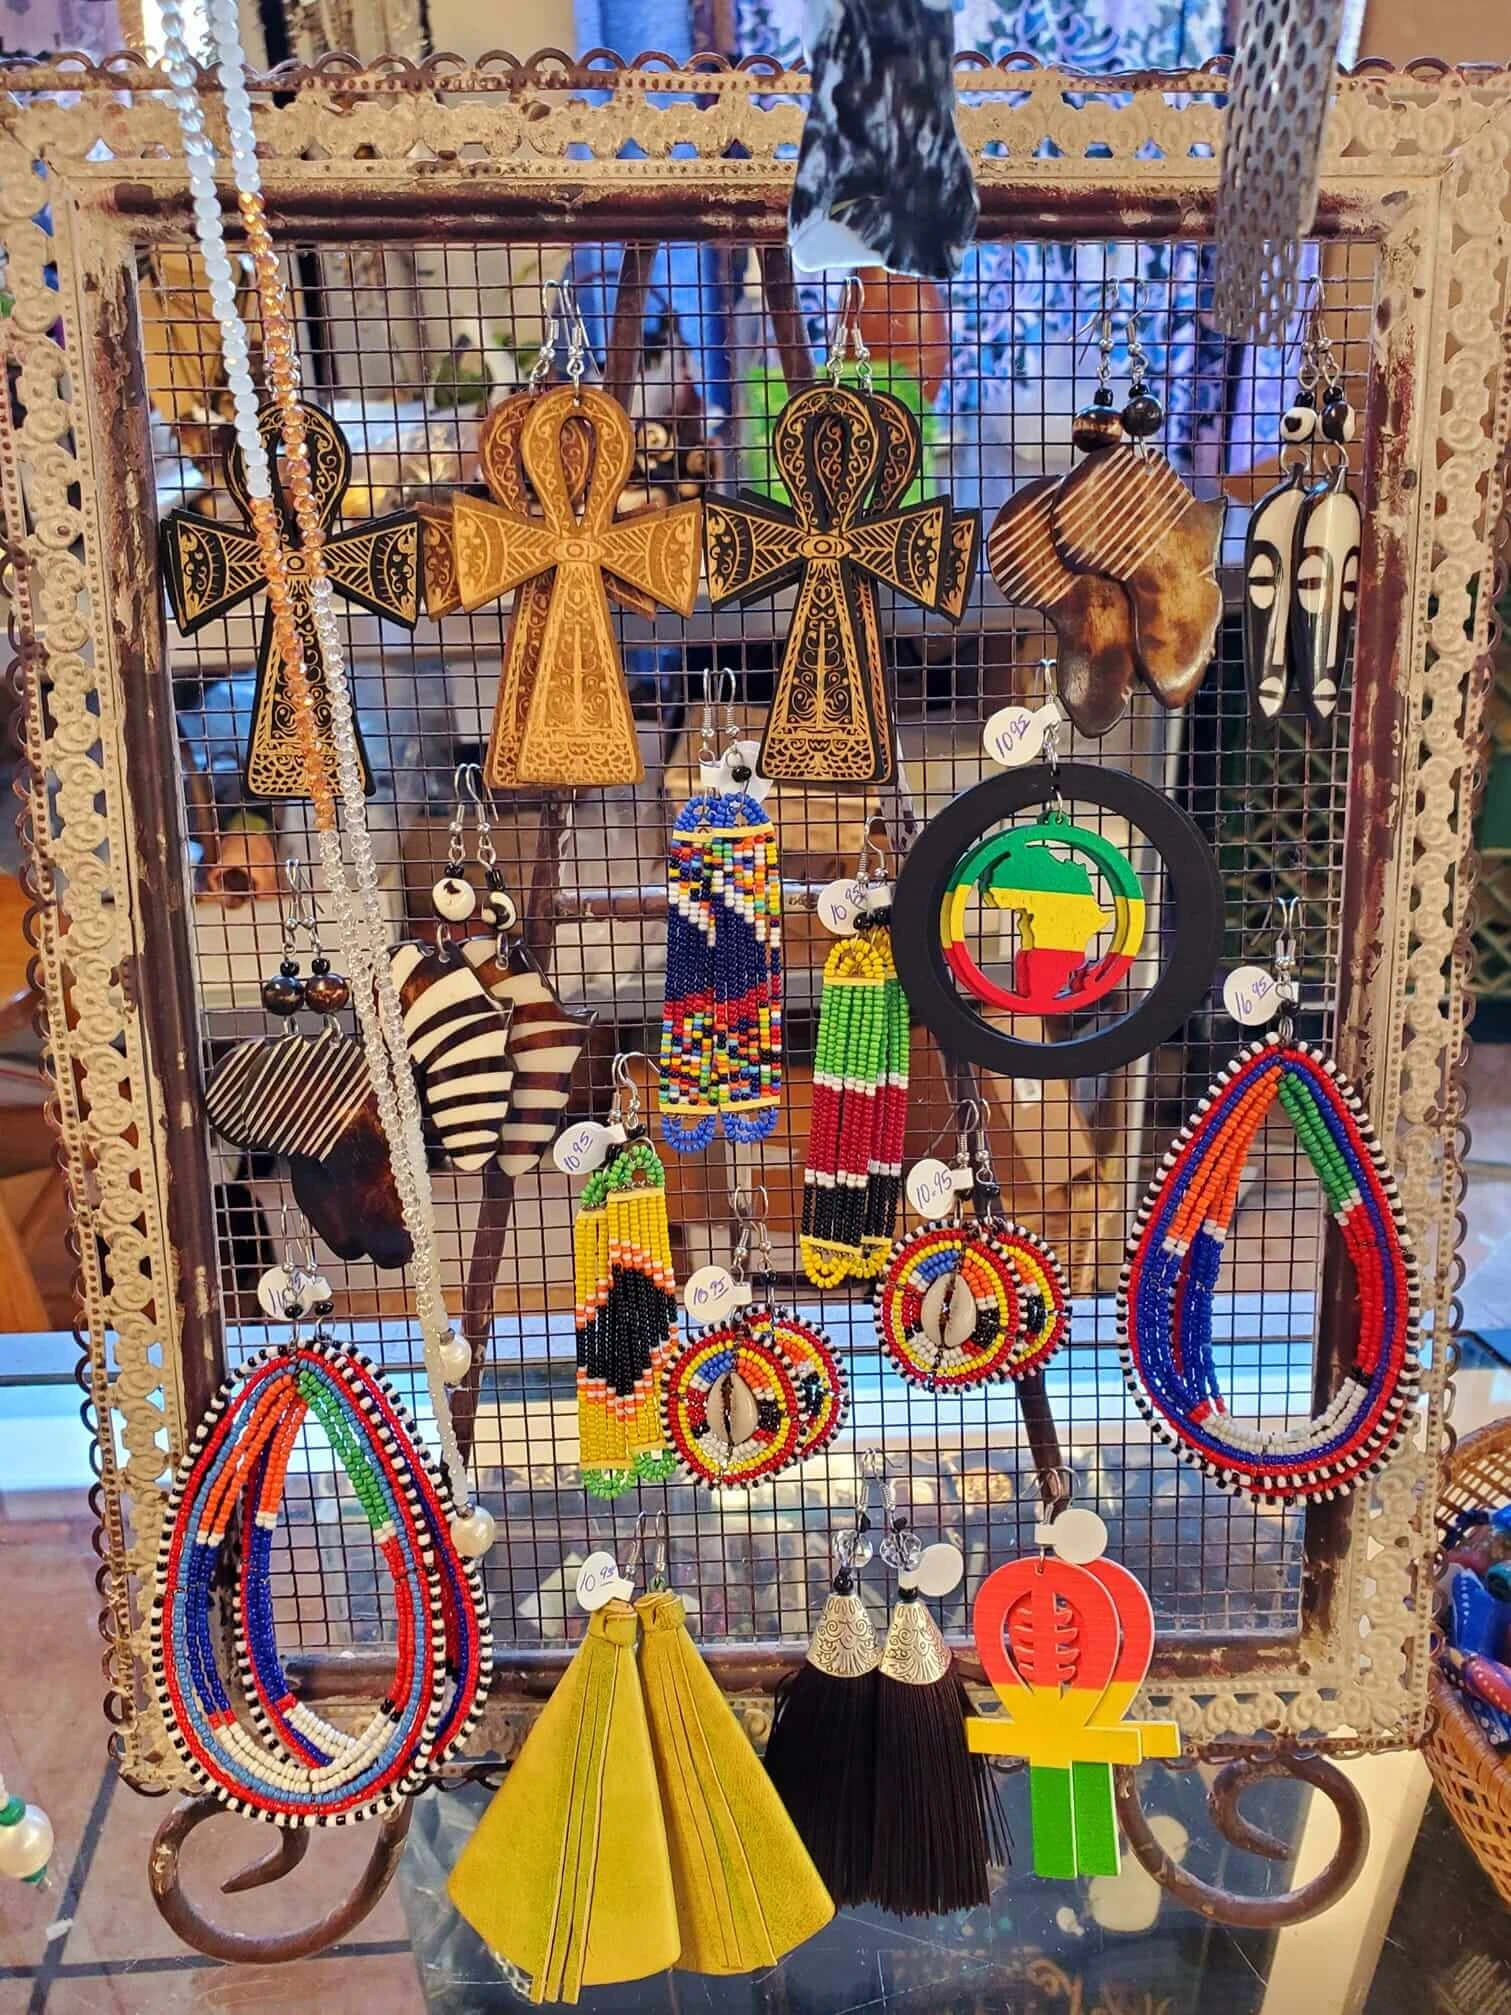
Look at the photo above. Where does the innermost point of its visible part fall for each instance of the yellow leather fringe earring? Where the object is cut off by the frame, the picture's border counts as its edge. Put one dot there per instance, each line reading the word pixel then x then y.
pixel 746 1891
pixel 568 1877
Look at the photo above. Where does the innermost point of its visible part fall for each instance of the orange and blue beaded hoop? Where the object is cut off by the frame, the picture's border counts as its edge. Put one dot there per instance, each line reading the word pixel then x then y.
pixel 1170 1281
pixel 279 1760
pixel 752 1395
pixel 961 1304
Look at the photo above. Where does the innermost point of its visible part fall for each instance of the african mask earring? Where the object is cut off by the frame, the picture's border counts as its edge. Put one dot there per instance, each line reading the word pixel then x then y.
pixel 1329 530
pixel 1269 557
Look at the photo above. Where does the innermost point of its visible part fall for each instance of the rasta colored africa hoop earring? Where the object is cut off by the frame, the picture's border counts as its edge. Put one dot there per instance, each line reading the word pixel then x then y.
pixel 1170 1281
pixel 1047 875
pixel 971 1300
pixel 756 1390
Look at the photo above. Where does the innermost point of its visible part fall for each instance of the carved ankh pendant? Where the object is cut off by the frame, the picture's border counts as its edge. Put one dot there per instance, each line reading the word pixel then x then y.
pixel 563 695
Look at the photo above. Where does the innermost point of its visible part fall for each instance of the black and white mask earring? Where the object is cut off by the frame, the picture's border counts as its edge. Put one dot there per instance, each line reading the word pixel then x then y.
pixel 1329 533
pixel 1269 560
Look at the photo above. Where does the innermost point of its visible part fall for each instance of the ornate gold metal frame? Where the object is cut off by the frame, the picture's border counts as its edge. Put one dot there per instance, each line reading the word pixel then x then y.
pixel 1418 164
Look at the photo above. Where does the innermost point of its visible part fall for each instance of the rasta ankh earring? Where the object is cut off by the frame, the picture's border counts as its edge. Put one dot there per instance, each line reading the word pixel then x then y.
pixel 310 1099
pixel 967 1300
pixel 1066 1640
pixel 1170 1278
pixel 852 1176
pixel 757 1389
pixel 721 1027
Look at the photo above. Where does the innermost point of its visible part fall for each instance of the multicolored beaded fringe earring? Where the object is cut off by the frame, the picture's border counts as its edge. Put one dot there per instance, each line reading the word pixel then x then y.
pixel 721 1029
pixel 756 1390
pixel 280 1761
pixel 1170 1279
pixel 853 1177
pixel 626 1311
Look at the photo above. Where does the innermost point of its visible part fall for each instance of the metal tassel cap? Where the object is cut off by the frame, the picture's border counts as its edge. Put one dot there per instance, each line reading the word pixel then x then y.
pixel 844 1644
pixel 915 1652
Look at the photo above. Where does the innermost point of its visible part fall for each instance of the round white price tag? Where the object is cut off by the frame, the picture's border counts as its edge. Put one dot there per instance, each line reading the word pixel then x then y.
pixel 1077 1536
pixel 598 1581
pixel 742 756
pixel 712 1293
pixel 931 1187
pixel 941 1570
pixel 276 1289
pixel 1014 735
pixel 582 1147
pixel 1251 996
pixel 839 904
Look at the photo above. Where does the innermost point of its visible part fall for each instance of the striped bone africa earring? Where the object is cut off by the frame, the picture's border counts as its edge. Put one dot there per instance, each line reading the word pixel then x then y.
pixel 310 1099
pixel 1169 1287
pixel 721 1027
pixel 970 1298
pixel 756 1389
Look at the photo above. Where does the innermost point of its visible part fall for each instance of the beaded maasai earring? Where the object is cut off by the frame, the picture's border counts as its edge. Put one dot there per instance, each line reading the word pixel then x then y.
pixel 721 1028
pixel 757 1389
pixel 282 1761
pixel 969 1299
pixel 310 1098
pixel 626 1306
pixel 1170 1280
pixel 1066 1640
pixel 853 1176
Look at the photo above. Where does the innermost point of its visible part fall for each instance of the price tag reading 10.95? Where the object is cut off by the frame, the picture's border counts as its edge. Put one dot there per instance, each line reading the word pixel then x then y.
pixel 931 1187
pixel 581 1148
pixel 599 1581
pixel 712 1293
pixel 839 904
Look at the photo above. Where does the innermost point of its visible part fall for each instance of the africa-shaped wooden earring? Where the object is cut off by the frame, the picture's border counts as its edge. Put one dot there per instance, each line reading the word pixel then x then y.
pixel 1125 513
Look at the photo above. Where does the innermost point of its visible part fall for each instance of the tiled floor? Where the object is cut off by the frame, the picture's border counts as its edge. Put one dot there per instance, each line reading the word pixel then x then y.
pixel 93 1941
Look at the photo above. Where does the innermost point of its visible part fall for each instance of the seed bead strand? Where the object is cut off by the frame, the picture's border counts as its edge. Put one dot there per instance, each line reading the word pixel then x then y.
pixel 361 928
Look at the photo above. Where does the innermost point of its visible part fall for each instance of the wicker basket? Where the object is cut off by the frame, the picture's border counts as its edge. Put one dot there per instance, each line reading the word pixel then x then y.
pixel 1472 1780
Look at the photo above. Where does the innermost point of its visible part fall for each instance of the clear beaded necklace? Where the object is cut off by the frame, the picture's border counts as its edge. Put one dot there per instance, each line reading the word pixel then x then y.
pixel 361 928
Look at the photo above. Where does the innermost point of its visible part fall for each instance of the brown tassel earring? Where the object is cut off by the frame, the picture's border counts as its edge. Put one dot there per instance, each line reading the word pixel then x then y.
pixel 939 1824
pixel 821 1752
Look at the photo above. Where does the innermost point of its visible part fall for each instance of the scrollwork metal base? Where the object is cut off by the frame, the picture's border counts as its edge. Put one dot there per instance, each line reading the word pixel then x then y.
pixel 1224 1906
pixel 245 1948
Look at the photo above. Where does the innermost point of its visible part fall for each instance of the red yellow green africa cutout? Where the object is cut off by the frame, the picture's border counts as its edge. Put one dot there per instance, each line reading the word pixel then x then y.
pixel 1033 871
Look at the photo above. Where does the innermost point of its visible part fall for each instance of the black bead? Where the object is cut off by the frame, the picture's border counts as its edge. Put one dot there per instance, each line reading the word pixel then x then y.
pixel 282 993
pixel 320 965
pixel 1143 414
pixel 1102 396
pixel 739 774
pixel 290 967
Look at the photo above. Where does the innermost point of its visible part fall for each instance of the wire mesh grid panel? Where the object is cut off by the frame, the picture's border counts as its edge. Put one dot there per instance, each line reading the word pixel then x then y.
pixel 405 346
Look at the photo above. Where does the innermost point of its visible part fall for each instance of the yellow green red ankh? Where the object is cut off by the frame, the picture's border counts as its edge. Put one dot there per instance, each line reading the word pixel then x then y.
pixel 1025 870
pixel 1066 1648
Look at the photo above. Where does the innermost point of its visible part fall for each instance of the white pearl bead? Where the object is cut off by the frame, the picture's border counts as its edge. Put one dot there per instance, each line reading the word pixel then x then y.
pixel 26 1847
pixel 474 1534
pixel 453 899
pixel 455 1359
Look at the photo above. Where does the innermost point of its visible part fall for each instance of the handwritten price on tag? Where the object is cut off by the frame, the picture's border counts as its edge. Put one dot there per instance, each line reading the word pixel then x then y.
pixel 931 1187
pixel 1252 996
pixel 581 1148
pixel 839 904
